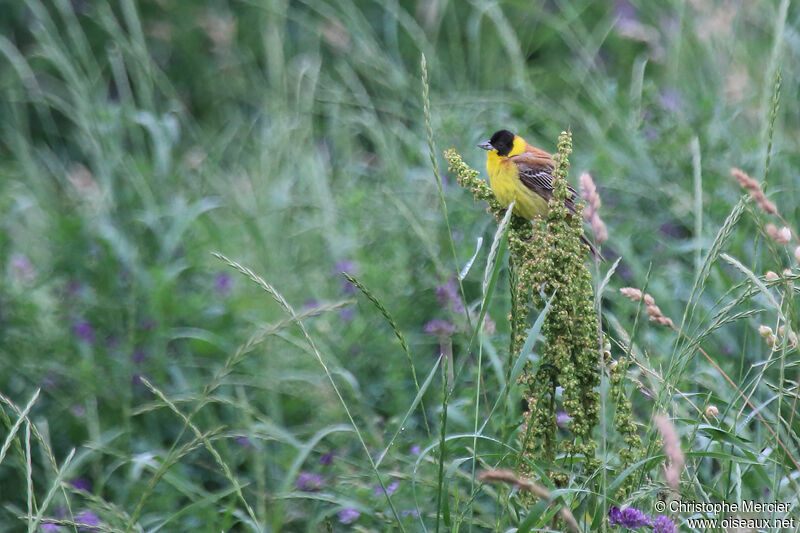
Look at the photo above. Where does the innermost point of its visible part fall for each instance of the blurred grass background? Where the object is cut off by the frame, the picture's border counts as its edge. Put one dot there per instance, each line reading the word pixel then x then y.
pixel 138 137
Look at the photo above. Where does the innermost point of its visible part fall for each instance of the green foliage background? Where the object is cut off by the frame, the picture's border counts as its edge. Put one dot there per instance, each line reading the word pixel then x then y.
pixel 138 137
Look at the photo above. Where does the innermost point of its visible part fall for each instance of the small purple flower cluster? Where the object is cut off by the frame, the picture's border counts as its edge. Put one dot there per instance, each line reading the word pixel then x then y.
pixel 139 356
pixel 223 283
pixel 81 483
pixel 326 459
pixel 350 267
pixel 663 524
pixel 88 520
pixel 449 297
pixel 309 482
pixel 563 419
pixel 390 489
pixel 630 518
pixel 347 314
pixel 348 516
pixel 22 269
pixel 84 331
pixel 439 328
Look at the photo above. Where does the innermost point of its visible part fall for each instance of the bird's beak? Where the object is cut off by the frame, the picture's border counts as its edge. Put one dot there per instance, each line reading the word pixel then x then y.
pixel 486 145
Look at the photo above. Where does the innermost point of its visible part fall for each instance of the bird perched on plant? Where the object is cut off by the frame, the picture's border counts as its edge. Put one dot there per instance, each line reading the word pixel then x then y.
pixel 523 174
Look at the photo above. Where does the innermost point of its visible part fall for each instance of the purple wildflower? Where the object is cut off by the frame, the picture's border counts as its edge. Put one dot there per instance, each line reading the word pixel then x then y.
pixel 47 527
pixel 20 261
pixel 415 449
pixel 663 524
pixel 634 518
pixel 327 458
pixel 81 483
pixel 670 100
pixel 625 10
pixel 309 482
pixel 88 518
pixel 136 380
pixel 628 518
pixel 139 356
pixel 345 265
pixel 78 411
pixel 449 297
pixel 348 288
pixel 22 268
pixel 390 489
pixel 439 328
pixel 350 267
pixel 84 331
pixel 244 442
pixel 562 419
pixel 410 512
pixel 348 516
pixel 223 283
pixel 310 304
pixel 628 22
pixel 347 314
pixel 147 324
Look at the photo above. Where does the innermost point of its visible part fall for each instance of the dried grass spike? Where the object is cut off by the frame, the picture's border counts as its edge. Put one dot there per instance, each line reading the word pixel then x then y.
pixel 754 188
pixel 672 449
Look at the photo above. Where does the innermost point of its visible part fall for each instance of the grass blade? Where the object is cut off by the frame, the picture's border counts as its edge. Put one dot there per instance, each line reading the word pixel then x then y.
pixel 15 428
pixel 289 309
pixel 385 312
pixel 527 347
pixel 417 400
pixel 468 266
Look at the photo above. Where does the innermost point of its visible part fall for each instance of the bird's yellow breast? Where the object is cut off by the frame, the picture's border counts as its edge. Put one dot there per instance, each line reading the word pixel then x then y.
pixel 507 187
pixel 502 175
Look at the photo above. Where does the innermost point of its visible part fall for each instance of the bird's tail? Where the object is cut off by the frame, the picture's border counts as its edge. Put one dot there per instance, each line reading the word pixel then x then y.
pixel 593 249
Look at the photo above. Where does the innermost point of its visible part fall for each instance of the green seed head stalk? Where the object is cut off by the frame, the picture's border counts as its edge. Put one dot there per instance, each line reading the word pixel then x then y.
pixel 547 260
pixel 624 424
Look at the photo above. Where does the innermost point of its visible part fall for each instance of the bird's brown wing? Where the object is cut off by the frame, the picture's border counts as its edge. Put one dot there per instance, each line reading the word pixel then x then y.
pixel 536 173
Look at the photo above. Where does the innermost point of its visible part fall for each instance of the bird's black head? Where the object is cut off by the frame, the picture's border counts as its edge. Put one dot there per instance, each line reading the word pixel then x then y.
pixel 502 141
